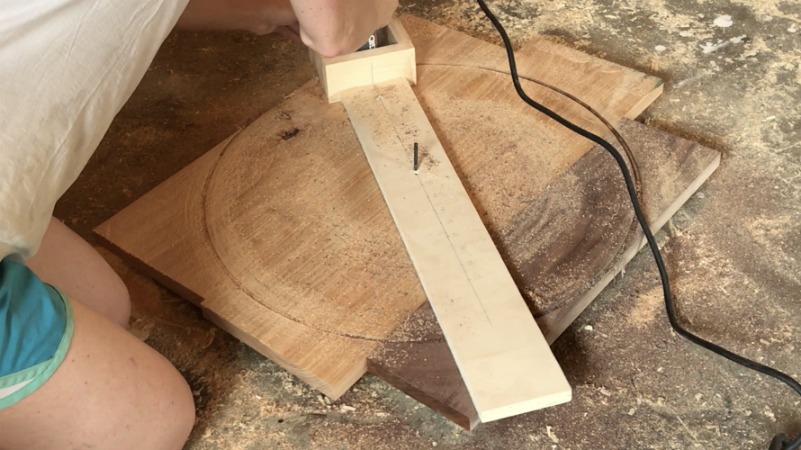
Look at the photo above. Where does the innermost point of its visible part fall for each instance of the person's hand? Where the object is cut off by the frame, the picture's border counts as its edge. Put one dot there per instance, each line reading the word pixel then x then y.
pixel 257 16
pixel 329 27
pixel 334 27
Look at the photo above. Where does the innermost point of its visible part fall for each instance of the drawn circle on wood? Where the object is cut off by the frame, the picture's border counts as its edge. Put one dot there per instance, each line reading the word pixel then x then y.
pixel 303 229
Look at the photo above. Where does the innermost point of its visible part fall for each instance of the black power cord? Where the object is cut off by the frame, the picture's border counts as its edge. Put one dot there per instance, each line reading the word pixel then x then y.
pixel 779 442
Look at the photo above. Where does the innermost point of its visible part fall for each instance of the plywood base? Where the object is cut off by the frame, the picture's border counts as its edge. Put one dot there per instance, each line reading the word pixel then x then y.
pixel 281 234
pixel 577 236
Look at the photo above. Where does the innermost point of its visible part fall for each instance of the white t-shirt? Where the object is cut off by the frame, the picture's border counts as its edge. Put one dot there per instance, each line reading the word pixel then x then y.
pixel 66 69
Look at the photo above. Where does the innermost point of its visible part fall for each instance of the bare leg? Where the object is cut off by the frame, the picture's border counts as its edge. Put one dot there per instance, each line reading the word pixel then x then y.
pixel 69 263
pixel 112 391
pixel 256 16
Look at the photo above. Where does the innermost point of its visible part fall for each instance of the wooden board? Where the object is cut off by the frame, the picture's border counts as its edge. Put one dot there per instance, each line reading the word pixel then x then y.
pixel 503 359
pixel 281 234
pixel 576 237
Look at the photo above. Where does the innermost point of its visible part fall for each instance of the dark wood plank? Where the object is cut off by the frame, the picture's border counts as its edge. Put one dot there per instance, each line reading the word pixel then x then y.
pixel 417 360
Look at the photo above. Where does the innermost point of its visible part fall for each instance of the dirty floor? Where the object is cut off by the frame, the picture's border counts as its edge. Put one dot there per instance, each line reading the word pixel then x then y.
pixel 733 82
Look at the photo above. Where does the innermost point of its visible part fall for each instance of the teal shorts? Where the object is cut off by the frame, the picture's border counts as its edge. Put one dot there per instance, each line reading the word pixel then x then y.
pixel 35 331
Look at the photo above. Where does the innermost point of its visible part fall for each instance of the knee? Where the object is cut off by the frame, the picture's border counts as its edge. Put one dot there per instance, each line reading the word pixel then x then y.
pixel 184 414
pixel 174 415
pixel 118 305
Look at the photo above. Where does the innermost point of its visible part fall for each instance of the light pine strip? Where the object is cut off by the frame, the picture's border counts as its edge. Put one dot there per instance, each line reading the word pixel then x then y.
pixel 505 362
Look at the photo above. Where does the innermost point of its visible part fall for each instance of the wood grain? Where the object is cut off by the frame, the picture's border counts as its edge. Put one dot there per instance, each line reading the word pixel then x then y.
pixel 494 340
pixel 294 269
pixel 281 234
pixel 564 249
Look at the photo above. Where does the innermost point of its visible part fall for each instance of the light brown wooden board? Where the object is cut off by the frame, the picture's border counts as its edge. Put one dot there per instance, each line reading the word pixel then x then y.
pixel 281 235
pixel 567 246
pixel 492 336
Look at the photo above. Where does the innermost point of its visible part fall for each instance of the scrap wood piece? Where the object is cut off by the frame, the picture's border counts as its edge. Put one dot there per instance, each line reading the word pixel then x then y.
pixel 303 278
pixel 504 360
pixel 583 223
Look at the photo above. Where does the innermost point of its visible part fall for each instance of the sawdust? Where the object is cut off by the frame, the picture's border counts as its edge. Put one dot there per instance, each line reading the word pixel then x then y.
pixel 497 139
pixel 647 308
pixel 551 225
pixel 780 237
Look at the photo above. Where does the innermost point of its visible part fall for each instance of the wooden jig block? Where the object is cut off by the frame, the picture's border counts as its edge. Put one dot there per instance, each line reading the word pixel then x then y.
pixel 368 67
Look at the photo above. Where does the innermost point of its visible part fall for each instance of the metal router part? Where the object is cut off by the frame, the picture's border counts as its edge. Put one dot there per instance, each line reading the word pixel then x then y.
pixel 379 38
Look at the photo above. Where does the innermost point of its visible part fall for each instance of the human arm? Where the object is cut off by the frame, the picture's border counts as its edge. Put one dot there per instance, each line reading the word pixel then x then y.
pixel 334 27
pixel 329 27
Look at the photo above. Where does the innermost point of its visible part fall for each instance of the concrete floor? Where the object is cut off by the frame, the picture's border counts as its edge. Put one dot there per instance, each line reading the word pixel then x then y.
pixel 734 250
